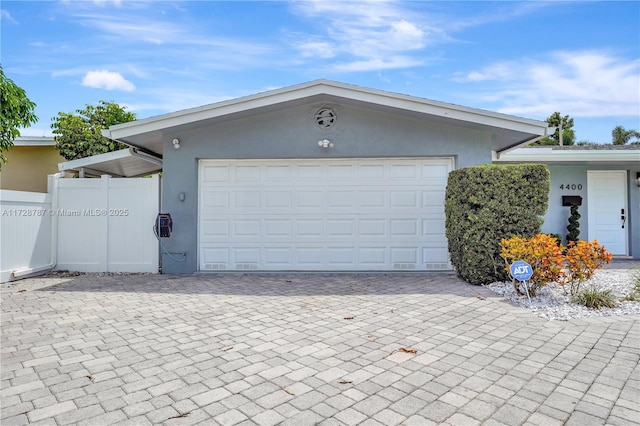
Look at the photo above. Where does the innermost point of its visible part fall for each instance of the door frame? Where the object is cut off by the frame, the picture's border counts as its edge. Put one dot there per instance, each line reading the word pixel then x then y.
pixel 592 201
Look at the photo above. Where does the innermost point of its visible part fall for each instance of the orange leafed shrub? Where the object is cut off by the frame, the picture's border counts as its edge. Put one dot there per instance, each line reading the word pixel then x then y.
pixel 541 252
pixel 552 262
pixel 583 258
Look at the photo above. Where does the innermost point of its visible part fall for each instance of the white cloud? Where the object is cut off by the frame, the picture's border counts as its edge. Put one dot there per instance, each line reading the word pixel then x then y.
pixel 316 49
pixel 108 80
pixel 581 84
pixel 363 36
pixel 378 64
pixel 6 16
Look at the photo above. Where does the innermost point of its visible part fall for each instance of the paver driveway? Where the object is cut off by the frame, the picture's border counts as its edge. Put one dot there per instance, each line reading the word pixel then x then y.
pixel 304 349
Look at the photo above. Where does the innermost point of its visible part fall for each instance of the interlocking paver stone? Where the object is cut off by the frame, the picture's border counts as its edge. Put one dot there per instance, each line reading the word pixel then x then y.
pixel 272 349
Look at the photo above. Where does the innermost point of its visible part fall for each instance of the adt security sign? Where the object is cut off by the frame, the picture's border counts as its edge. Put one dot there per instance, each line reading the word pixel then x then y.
pixel 521 270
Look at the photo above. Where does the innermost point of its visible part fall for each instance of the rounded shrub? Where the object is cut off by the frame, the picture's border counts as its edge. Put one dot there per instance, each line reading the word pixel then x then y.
pixel 484 204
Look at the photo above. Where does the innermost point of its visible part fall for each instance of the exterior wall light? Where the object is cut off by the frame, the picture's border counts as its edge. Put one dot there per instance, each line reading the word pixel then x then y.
pixel 176 143
pixel 638 179
pixel 325 144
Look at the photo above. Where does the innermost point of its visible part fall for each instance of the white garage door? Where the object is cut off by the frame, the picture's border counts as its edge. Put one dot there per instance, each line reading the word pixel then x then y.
pixel 323 215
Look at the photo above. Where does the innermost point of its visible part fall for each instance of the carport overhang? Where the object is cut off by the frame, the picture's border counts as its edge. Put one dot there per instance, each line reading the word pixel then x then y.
pixel 507 132
pixel 128 162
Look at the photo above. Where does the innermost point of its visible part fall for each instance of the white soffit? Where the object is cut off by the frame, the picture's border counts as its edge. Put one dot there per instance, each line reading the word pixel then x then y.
pixel 550 155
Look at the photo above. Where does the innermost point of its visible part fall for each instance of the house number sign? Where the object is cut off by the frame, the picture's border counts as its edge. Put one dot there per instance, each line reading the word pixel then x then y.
pixel 571 187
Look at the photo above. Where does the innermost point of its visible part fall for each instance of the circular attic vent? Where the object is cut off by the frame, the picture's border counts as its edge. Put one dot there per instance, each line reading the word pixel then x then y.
pixel 325 118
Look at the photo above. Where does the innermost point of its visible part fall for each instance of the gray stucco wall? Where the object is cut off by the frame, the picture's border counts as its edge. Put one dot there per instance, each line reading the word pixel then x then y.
pixel 557 216
pixel 292 133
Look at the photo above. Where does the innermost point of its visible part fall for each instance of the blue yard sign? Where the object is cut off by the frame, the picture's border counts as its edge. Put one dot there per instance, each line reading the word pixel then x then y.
pixel 521 270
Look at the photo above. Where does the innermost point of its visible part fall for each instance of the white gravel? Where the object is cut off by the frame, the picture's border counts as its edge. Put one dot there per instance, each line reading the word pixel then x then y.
pixel 552 303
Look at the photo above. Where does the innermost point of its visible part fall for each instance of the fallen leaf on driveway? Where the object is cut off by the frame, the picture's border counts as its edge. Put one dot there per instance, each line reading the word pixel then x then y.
pixel 90 377
pixel 349 318
pixel 227 349
pixel 345 382
pixel 21 291
pixel 408 351
pixel 288 391
pixel 180 415
pixel 480 297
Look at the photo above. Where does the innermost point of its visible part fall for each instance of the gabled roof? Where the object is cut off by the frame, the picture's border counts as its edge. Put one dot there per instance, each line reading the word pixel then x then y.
pixel 587 154
pixel 507 131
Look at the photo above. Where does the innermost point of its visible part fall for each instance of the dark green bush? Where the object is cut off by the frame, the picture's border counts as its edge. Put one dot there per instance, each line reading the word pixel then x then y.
pixel 574 225
pixel 487 203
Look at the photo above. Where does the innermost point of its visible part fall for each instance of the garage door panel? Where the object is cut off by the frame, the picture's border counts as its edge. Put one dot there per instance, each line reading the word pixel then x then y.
pixel 279 172
pixel 211 200
pixel 404 171
pixel 433 228
pixel 278 256
pixel 372 200
pixel 212 228
pixel 403 199
pixel 341 228
pixel 310 257
pixel 341 199
pixel 309 200
pixel 376 214
pixel 277 199
pixel 247 173
pixel 374 257
pixel 247 199
pixel 246 228
pixel 404 227
pixel 219 173
pixel 309 172
pixel 310 227
pixel 278 228
pixel 372 171
pixel 247 255
pixel 342 256
pixel 372 227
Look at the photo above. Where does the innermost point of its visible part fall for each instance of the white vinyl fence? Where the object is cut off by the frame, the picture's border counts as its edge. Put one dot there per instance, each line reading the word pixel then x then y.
pixel 85 225
pixel 25 233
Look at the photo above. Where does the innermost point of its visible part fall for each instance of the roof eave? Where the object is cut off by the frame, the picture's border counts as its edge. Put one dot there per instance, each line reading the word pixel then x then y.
pixel 549 155
pixel 324 87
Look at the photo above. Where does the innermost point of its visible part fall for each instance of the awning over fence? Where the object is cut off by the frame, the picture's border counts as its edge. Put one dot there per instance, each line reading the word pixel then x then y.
pixel 123 163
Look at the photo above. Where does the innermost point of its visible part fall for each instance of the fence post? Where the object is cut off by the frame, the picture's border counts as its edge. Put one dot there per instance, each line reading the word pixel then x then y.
pixel 53 183
pixel 104 192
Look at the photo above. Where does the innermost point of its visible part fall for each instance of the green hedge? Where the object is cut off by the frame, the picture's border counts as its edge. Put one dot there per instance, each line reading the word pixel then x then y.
pixel 487 203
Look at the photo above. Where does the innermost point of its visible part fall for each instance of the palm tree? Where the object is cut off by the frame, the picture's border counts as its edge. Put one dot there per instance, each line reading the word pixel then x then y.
pixel 622 136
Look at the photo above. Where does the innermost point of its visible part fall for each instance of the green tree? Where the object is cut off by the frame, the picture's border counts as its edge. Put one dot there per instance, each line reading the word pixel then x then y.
pixel 16 111
pixel 622 136
pixel 568 134
pixel 79 135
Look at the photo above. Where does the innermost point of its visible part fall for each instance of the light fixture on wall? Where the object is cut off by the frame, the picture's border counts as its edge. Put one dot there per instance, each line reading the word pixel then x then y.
pixel 325 143
pixel 638 179
pixel 176 143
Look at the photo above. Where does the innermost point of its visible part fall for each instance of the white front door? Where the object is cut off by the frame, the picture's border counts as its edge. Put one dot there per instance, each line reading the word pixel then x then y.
pixel 607 209
pixel 350 214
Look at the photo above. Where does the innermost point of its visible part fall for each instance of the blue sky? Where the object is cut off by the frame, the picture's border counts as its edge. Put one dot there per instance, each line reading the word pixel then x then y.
pixel 523 58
